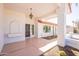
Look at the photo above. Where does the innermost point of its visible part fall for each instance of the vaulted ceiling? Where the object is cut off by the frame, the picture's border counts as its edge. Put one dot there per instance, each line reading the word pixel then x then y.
pixel 38 9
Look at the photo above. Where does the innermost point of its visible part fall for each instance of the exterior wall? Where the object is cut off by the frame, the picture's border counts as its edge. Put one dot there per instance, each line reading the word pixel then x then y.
pixel 16 31
pixel 1 27
pixel 40 30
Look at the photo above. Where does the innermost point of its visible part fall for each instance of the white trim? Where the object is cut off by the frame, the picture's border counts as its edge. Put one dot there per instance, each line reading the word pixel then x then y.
pixel 48 46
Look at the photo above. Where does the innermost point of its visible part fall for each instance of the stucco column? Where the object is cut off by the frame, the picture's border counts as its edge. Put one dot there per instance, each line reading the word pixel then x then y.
pixel 36 27
pixel 61 25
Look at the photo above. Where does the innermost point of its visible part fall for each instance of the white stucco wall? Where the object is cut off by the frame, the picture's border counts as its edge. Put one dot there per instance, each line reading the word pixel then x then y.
pixel 1 27
pixel 18 27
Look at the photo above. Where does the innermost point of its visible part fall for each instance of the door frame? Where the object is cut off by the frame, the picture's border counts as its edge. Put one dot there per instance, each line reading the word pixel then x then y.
pixel 27 30
pixel 31 35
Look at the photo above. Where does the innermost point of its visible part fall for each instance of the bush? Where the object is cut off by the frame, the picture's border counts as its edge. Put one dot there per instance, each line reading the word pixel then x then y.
pixel 62 53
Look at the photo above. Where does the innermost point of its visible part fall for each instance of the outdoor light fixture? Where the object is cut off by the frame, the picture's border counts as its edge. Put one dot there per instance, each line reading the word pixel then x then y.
pixel 31 14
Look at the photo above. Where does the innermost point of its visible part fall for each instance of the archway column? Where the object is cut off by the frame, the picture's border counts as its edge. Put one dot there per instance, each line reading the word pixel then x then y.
pixel 61 30
pixel 36 27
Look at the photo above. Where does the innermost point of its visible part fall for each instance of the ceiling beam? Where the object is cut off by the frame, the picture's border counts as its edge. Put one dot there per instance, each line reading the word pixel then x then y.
pixel 69 6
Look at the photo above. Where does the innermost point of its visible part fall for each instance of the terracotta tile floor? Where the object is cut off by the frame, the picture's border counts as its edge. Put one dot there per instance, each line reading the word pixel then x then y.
pixel 29 47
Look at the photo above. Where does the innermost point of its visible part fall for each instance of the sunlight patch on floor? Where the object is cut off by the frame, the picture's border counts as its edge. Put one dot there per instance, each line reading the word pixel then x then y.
pixel 48 46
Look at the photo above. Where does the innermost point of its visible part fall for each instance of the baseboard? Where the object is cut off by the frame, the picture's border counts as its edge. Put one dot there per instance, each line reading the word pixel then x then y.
pixel 1 48
pixel 15 39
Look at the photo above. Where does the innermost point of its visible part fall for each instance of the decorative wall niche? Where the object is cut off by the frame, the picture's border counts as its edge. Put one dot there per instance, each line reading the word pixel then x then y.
pixel 14 28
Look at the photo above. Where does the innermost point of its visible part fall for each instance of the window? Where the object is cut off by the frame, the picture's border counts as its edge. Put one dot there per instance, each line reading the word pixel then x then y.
pixel 49 28
pixel 46 28
pixel 32 29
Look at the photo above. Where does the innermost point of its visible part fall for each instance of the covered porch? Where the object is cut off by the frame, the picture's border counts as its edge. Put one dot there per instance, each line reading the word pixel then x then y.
pixel 16 44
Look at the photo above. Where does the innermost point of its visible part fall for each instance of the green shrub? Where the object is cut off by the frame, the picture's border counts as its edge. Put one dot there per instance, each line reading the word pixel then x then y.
pixel 62 53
